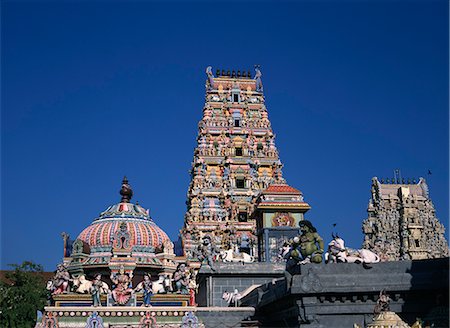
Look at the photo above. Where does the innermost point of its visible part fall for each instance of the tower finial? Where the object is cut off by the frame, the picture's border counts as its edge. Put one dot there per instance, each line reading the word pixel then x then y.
pixel 126 192
pixel 259 85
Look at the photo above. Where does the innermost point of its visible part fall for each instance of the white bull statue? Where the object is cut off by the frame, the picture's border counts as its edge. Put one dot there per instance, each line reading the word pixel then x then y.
pixel 231 256
pixel 337 252
pixel 83 286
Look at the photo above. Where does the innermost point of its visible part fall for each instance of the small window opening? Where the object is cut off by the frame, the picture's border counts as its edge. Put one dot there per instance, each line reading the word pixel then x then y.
pixel 242 216
pixel 417 242
pixel 238 151
pixel 237 123
pixel 235 98
pixel 240 183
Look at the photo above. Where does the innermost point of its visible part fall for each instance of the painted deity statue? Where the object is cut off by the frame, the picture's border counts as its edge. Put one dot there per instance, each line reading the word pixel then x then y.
pixel 122 292
pixel 147 288
pixel 193 286
pixel 207 251
pixel 60 282
pixel 98 287
pixel 308 246
pixel 181 279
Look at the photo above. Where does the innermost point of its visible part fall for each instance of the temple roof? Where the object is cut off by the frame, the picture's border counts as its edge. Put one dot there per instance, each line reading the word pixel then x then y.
pixel 143 231
pixel 281 189
pixel 281 195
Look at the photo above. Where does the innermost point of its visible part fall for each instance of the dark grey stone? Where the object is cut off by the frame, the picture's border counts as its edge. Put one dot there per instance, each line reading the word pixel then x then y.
pixel 341 294
pixel 230 276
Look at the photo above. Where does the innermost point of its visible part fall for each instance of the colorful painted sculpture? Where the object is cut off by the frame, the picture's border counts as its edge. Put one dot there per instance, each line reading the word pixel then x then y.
pixel 307 247
pixel 337 252
pixel 60 282
pixel 206 252
pixel 193 286
pixel 98 287
pixel 147 288
pixel 122 292
pixel 181 279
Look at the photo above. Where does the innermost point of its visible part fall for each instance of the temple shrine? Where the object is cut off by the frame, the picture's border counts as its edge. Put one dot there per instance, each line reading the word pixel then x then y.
pixel 402 222
pixel 249 257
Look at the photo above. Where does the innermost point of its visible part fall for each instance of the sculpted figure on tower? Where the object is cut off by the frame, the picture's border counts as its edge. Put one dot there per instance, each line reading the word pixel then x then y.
pixel 122 291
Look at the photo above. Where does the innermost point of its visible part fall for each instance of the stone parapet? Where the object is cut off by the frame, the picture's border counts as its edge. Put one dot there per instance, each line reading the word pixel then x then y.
pixel 341 294
pixel 131 316
pixel 230 276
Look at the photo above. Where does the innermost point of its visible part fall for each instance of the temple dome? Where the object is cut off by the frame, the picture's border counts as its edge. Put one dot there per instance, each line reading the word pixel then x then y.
pixel 143 230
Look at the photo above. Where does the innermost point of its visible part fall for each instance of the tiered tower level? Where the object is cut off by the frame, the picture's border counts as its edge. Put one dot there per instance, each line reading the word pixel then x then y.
pixel 234 161
pixel 402 222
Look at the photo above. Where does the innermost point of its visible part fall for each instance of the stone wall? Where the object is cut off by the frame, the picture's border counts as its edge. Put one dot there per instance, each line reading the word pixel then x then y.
pixel 341 294
pixel 230 276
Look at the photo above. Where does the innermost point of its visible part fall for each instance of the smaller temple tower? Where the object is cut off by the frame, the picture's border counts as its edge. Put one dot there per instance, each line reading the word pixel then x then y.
pixel 402 222
pixel 279 209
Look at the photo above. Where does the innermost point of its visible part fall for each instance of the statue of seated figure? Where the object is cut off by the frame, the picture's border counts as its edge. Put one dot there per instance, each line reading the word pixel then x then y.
pixel 122 291
pixel 305 248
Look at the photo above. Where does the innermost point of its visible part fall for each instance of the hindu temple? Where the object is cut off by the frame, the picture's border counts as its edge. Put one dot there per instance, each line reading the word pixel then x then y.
pixel 249 256
pixel 402 222
pixel 234 162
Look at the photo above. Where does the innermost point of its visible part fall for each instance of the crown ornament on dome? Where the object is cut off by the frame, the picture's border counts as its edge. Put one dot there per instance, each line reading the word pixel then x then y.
pixel 126 192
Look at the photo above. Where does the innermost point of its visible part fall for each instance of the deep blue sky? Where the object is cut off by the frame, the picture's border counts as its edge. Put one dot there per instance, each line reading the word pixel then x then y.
pixel 95 90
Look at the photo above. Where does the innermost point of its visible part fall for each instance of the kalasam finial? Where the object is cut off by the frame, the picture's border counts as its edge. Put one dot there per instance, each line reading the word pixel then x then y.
pixel 126 192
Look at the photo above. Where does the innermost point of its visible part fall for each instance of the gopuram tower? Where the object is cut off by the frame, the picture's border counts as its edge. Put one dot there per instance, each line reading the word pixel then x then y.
pixel 234 161
pixel 402 222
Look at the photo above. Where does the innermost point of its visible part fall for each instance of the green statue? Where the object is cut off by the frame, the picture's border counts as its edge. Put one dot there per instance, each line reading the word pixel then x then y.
pixel 307 247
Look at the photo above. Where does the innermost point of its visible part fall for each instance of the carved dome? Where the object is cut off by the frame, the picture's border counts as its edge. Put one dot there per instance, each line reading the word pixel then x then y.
pixel 142 230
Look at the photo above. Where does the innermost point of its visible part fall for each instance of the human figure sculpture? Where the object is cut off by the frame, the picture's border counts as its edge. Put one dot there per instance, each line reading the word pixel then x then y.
pixel 207 251
pixel 146 286
pixel 181 279
pixel 258 74
pixel 98 287
pixel 210 77
pixel 382 303
pixel 308 246
pixel 244 246
pixel 60 282
pixel 193 287
pixel 122 292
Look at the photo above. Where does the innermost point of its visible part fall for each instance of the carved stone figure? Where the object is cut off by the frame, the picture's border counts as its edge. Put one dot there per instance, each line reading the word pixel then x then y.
pixel 98 287
pixel 82 285
pixel 210 76
pixel 307 247
pixel 232 298
pixel 122 291
pixel 207 251
pixel 382 303
pixel 337 252
pixel 193 286
pixel 146 286
pixel 181 279
pixel 60 282
pixel 231 256
pixel 258 74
